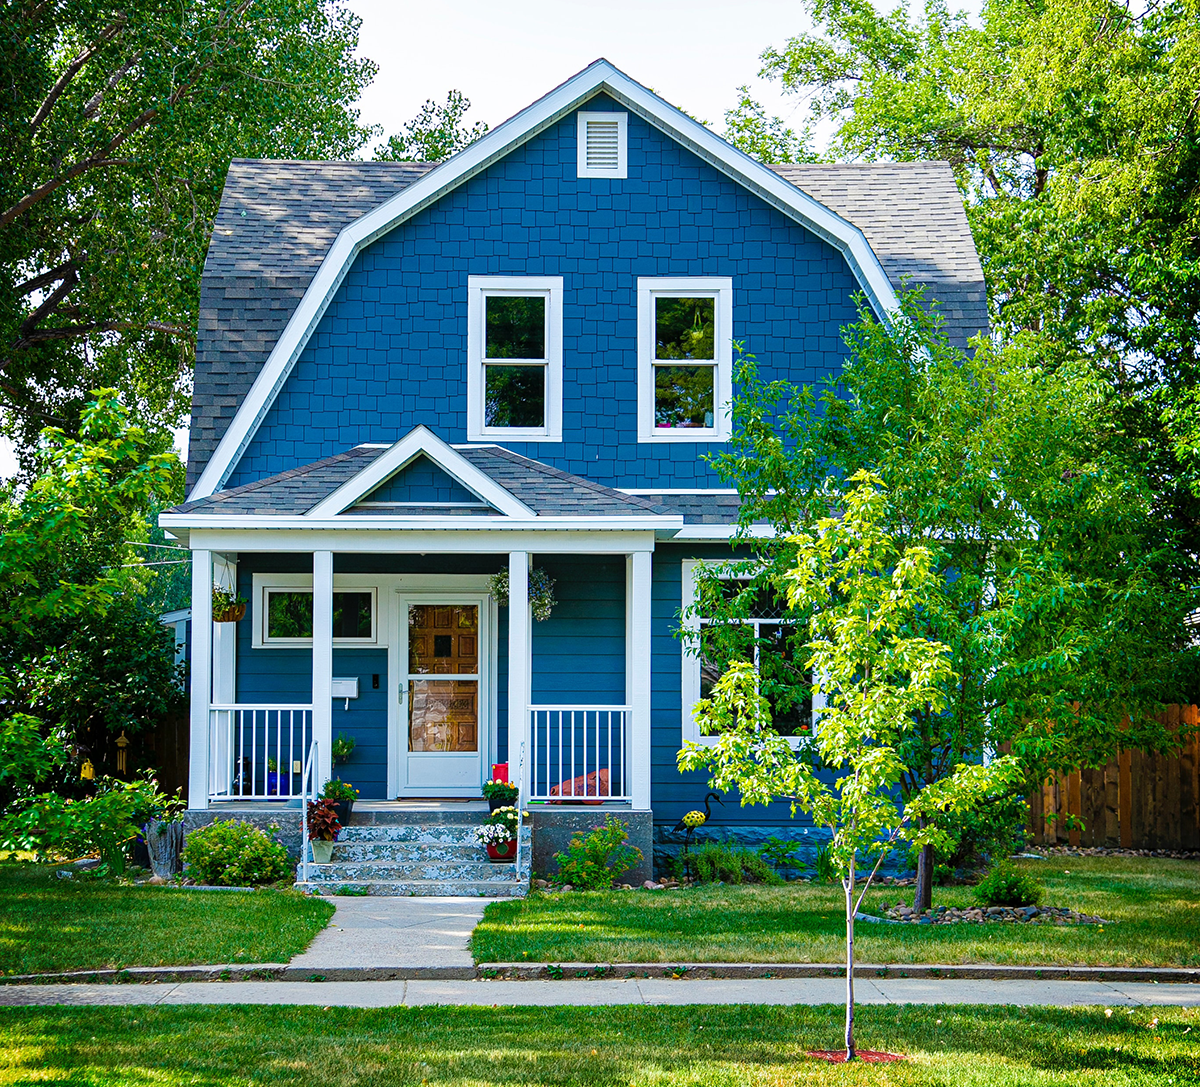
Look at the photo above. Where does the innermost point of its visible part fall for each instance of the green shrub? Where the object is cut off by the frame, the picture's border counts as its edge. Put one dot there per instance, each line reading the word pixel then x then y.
pixel 714 863
pixel 826 870
pixel 53 825
pixel 231 853
pixel 1005 885
pixel 780 853
pixel 593 863
pixel 992 831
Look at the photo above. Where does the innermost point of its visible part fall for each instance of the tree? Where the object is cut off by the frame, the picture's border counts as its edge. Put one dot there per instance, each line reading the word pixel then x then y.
pixel 435 134
pixel 1060 599
pixel 749 128
pixel 117 125
pixel 1072 129
pixel 81 654
pixel 861 596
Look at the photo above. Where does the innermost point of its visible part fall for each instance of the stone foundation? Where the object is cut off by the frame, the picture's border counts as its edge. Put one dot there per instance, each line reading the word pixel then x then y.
pixel 552 832
pixel 283 823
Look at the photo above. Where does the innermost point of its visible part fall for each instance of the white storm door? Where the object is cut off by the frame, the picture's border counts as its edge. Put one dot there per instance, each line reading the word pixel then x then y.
pixel 443 694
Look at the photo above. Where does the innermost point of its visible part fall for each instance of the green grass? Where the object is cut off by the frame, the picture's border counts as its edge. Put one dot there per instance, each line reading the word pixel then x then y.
pixel 47 924
pixel 1155 902
pixel 480 1046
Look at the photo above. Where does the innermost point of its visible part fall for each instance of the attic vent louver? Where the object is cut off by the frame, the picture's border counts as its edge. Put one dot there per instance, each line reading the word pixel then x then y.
pixel 602 144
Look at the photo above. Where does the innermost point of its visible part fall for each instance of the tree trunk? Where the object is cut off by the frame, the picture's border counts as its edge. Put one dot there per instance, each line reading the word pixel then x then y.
pixel 848 885
pixel 923 896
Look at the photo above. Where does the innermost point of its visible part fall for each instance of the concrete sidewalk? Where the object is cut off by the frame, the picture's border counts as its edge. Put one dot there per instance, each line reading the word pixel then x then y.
pixel 383 932
pixel 650 991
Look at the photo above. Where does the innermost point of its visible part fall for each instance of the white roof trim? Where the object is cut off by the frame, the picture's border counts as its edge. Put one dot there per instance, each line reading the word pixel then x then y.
pixel 418 442
pixel 598 76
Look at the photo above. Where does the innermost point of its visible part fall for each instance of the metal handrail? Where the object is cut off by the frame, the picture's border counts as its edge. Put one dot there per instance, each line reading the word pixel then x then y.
pixel 309 766
pixel 520 802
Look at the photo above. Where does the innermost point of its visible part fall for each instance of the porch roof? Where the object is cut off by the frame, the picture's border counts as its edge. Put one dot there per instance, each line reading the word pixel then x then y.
pixel 544 490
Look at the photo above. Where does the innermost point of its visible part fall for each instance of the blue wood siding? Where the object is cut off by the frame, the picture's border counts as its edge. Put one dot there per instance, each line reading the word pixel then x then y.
pixel 673 793
pixel 421 481
pixel 390 352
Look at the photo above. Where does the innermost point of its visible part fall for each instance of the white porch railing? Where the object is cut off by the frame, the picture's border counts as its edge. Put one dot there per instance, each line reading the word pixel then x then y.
pixel 246 741
pixel 579 753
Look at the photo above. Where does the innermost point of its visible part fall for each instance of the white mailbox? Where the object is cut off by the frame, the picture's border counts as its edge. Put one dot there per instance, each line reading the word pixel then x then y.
pixel 345 687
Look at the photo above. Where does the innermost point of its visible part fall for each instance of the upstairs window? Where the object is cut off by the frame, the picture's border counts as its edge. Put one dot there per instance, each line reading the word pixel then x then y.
pixel 514 365
pixel 602 145
pixel 685 359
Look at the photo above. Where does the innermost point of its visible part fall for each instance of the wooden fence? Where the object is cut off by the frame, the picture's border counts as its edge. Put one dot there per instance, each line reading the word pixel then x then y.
pixel 1137 801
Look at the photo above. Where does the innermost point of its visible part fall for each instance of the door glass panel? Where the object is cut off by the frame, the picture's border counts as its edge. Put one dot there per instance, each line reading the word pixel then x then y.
pixel 443 639
pixel 443 715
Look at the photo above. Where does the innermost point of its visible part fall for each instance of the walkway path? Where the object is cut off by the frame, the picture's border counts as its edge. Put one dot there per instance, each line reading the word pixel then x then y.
pixel 385 932
pixel 382 994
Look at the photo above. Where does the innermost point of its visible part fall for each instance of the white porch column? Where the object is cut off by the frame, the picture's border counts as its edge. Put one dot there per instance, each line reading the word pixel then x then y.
pixel 322 663
pixel 637 674
pixel 224 646
pixel 201 679
pixel 520 654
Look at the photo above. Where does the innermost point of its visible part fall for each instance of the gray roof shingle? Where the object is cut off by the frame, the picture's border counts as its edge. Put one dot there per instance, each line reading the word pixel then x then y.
pixel 549 492
pixel 277 220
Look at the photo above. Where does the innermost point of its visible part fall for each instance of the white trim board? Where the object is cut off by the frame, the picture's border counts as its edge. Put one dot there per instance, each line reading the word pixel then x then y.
pixel 600 76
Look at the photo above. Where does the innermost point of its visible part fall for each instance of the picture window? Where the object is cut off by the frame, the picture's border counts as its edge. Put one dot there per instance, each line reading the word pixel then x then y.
pixel 288 616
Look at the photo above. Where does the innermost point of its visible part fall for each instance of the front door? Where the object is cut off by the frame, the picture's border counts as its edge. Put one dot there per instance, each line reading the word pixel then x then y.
pixel 443 697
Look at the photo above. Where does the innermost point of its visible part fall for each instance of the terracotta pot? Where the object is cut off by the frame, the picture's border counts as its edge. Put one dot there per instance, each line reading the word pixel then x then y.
pixel 229 615
pixel 505 851
pixel 322 851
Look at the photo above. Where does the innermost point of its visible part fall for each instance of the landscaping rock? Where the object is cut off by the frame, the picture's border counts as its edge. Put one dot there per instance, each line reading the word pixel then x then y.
pixel 650 885
pixel 951 915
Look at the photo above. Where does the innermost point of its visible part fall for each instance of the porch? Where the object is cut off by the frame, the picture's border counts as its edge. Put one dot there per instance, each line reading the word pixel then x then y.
pixel 565 703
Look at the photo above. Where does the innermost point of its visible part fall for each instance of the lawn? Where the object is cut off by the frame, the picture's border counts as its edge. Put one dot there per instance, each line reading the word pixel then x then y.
pixel 1154 902
pixel 47 924
pixel 479 1046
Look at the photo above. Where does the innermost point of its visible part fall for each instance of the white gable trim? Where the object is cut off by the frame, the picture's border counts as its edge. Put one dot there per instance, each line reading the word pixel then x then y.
pixel 416 443
pixel 598 76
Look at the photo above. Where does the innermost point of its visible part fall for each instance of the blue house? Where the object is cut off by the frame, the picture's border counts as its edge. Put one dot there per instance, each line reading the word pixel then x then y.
pixel 422 388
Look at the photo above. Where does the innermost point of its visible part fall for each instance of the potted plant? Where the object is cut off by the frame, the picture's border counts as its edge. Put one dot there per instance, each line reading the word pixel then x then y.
pixel 342 749
pixel 499 794
pixel 499 834
pixel 227 606
pixel 272 777
pixel 323 827
pixel 541 592
pixel 343 795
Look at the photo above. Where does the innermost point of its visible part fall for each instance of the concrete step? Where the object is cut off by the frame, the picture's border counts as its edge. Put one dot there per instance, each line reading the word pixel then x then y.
pixel 419 818
pixel 370 871
pixel 358 852
pixel 449 834
pixel 490 888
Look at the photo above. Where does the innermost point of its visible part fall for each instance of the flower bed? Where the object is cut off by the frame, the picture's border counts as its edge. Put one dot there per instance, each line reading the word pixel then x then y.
pixel 979 915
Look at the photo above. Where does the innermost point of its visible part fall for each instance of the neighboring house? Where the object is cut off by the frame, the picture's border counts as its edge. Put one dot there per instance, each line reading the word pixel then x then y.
pixel 410 378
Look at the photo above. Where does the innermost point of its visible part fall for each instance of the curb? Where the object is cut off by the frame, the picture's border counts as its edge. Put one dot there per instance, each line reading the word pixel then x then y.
pixel 581 971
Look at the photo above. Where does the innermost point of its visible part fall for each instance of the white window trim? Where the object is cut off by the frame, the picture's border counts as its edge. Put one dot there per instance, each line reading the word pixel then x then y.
pixel 582 168
pixel 719 288
pixel 691 662
pixel 479 288
pixel 343 583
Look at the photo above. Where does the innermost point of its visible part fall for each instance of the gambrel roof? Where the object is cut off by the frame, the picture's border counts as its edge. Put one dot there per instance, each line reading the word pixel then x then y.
pixel 286 232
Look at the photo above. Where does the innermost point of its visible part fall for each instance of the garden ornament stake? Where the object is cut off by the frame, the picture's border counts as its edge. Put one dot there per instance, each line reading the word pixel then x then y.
pixel 695 819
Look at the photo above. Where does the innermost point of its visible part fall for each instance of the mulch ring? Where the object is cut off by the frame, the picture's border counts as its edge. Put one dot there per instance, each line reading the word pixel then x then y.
pixel 867 1056
pixel 979 915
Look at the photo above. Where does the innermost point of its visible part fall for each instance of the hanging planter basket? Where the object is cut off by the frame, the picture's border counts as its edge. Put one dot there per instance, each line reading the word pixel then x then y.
pixel 227 606
pixel 541 592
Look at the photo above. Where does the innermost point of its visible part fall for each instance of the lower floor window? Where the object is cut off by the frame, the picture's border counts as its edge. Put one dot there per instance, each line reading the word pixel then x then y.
pixel 289 615
pixel 738 619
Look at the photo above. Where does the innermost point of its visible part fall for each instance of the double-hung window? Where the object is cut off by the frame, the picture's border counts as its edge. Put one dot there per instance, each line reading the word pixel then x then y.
pixel 514 364
pixel 685 359
pixel 756 628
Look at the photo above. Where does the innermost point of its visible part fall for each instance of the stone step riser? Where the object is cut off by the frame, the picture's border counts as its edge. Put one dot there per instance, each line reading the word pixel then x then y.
pixel 412 852
pixel 426 888
pixel 363 873
pixel 368 820
pixel 419 835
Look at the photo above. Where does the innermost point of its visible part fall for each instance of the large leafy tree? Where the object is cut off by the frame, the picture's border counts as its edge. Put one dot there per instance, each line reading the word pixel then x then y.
pixel 1073 130
pixel 82 653
pixel 1059 596
pixel 434 134
pixel 117 125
